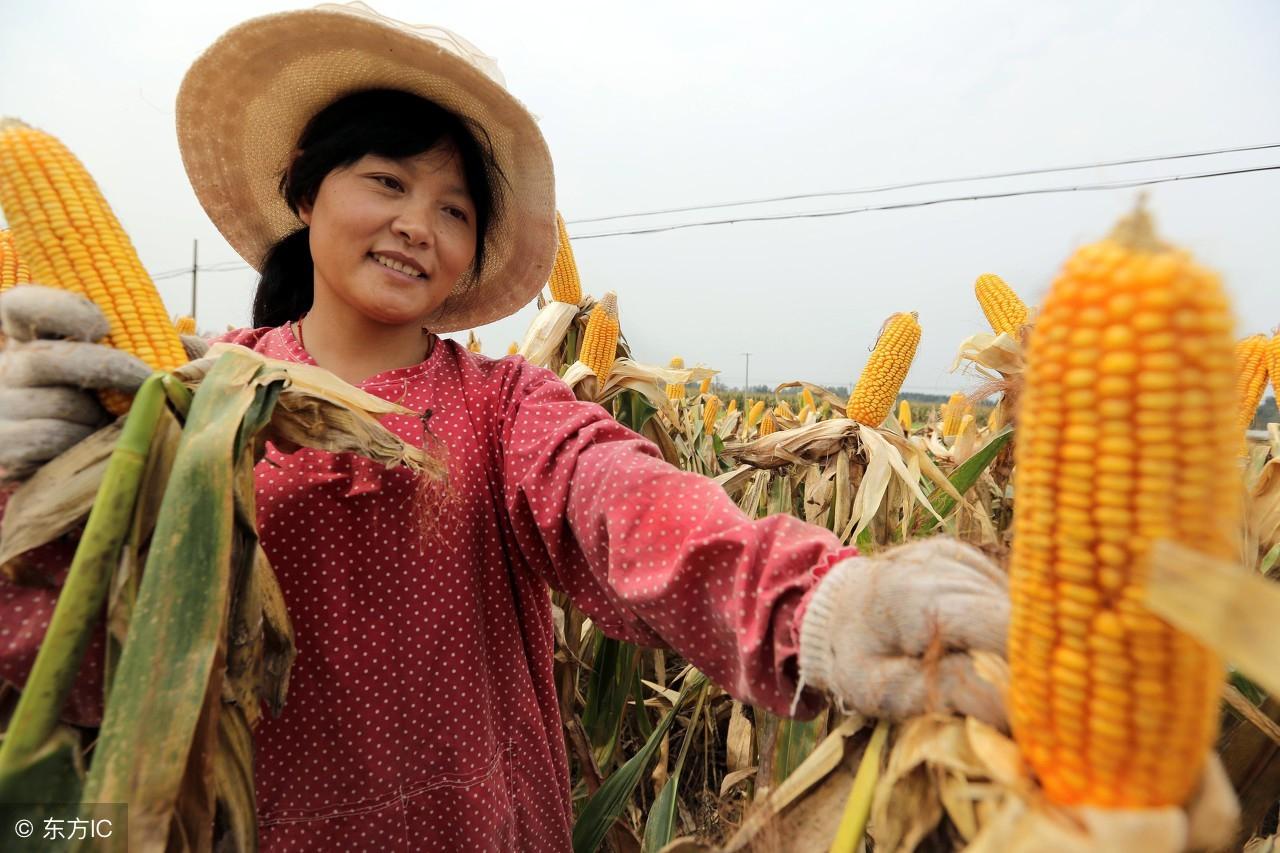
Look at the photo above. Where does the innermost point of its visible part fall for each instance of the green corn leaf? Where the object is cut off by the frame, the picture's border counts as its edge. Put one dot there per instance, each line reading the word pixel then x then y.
pixel 604 806
pixel 660 825
pixel 80 602
pixel 796 740
pixel 963 478
pixel 163 707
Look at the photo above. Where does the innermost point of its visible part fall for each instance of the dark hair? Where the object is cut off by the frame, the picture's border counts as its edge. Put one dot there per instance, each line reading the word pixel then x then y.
pixel 383 122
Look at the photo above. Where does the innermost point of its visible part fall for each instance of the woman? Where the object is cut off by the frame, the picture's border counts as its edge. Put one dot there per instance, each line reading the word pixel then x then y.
pixel 388 187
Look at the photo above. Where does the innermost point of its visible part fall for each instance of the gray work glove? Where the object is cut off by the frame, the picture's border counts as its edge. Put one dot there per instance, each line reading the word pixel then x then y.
pixel 889 635
pixel 48 361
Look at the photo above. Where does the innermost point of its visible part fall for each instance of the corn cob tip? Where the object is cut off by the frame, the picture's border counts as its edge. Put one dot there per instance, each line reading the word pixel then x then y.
pixel 609 304
pixel 8 123
pixel 1137 230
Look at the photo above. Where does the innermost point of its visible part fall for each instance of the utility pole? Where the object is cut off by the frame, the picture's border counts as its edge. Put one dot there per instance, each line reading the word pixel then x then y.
pixel 746 374
pixel 195 255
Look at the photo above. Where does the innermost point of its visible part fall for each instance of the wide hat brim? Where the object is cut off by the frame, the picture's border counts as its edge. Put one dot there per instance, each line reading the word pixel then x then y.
pixel 244 102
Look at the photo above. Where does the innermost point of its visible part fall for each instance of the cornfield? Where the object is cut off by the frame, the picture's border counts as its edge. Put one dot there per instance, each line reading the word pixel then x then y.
pixel 1100 453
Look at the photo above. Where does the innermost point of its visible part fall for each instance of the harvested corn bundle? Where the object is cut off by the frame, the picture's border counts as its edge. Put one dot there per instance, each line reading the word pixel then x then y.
pixel 1002 307
pixel 886 370
pixel 600 342
pixel 1251 377
pixel 12 269
pixel 68 237
pixel 565 284
pixel 1118 446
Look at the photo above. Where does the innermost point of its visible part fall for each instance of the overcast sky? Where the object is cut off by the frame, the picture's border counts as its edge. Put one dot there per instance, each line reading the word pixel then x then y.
pixel 660 105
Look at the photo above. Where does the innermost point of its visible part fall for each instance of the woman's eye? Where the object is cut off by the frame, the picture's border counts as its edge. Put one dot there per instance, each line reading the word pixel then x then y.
pixel 388 182
pixel 458 213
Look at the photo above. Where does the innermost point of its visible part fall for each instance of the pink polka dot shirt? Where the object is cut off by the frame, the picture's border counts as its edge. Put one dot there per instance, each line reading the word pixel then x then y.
pixel 422 712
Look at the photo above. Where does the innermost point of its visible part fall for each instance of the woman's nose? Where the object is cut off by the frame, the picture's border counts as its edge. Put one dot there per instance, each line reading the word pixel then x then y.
pixel 414 226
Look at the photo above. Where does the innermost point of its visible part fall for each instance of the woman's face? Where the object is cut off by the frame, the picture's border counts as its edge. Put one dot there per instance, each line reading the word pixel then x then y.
pixel 391 238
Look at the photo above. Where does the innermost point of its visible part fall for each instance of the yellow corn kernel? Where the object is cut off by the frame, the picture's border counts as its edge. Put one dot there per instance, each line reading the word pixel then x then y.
pixel 565 284
pixel 885 371
pixel 65 233
pixel 1002 307
pixel 600 342
pixel 1079 555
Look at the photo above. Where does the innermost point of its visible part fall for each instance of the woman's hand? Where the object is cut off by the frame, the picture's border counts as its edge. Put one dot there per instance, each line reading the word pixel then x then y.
pixel 889 635
pixel 48 361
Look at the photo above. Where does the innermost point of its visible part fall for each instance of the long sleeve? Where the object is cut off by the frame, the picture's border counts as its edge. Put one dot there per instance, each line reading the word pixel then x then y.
pixel 655 555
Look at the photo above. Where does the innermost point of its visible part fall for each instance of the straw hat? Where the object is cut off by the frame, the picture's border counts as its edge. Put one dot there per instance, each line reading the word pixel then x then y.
pixel 244 102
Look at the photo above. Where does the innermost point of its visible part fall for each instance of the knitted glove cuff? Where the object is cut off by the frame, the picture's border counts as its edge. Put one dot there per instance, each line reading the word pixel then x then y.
pixel 827 609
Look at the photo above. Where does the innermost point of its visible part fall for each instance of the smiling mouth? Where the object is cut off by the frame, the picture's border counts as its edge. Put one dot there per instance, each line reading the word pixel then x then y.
pixel 397 266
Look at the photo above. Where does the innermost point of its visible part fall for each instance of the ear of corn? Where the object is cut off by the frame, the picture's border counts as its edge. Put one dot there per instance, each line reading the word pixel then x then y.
pixel 995 420
pixel 513 348
pixel 755 413
pixel 565 284
pixel 1002 307
pixel 1273 364
pixel 600 342
pixel 904 416
pixel 783 409
pixel 68 237
pixel 186 325
pixel 885 371
pixel 768 426
pixel 675 390
pixel 954 413
pixel 806 397
pixel 1251 376
pixel 704 387
pixel 709 412
pixel 12 269
pixel 1119 445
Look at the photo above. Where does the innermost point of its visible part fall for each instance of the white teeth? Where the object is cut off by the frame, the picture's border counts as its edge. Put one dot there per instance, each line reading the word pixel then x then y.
pixel 397 266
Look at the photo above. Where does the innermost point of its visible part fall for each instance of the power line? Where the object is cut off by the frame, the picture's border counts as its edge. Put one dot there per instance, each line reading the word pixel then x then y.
pixel 931 182
pixel 1112 185
pixel 233 266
